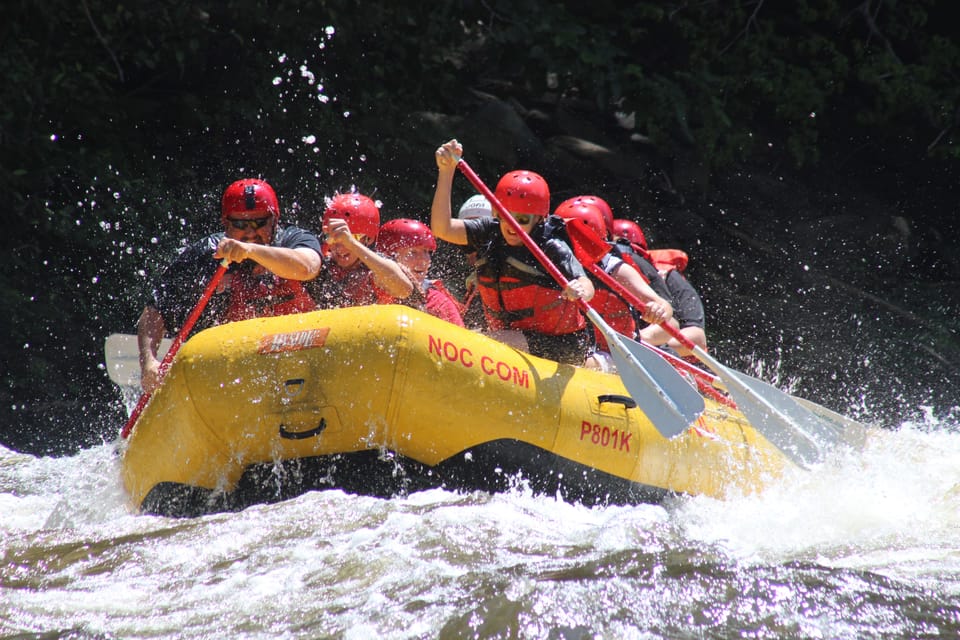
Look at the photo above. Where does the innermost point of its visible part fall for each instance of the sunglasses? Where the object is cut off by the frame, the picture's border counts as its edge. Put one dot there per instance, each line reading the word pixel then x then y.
pixel 523 218
pixel 254 223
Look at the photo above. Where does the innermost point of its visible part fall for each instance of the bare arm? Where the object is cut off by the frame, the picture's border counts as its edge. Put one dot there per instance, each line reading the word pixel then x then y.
pixel 292 264
pixel 657 309
pixel 442 223
pixel 150 331
pixel 655 335
pixel 388 275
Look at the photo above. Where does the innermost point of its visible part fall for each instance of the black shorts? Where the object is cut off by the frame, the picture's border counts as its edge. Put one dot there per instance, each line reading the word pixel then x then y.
pixel 569 348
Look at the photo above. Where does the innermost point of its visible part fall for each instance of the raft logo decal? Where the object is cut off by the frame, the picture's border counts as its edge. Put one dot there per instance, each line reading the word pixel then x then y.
pixel 294 341
pixel 465 356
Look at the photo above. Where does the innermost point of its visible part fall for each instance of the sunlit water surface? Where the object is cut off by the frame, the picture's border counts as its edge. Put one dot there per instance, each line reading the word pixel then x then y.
pixel 865 546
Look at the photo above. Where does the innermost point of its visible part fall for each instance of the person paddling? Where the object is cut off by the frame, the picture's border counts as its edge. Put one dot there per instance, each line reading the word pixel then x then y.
pixel 618 314
pixel 351 224
pixel 524 306
pixel 670 264
pixel 639 260
pixel 476 206
pixel 269 265
pixel 411 244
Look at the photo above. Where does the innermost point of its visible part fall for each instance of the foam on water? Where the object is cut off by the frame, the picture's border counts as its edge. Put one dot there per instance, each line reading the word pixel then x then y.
pixel 434 563
pixel 893 508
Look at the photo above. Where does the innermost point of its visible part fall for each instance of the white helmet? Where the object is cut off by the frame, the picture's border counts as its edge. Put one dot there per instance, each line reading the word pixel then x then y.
pixel 475 207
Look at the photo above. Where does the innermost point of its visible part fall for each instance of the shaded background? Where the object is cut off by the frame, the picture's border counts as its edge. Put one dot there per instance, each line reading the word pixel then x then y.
pixel 805 156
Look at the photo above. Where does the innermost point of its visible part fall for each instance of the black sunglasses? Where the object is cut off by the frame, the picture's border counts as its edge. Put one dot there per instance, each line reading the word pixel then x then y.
pixel 254 223
pixel 522 218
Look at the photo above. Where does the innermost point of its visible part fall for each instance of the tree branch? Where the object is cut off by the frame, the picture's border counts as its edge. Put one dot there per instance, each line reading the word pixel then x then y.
pixel 870 18
pixel 751 21
pixel 103 41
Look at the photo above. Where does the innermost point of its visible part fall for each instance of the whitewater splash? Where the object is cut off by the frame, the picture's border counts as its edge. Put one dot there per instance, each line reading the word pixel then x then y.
pixel 833 552
pixel 904 484
pixel 892 508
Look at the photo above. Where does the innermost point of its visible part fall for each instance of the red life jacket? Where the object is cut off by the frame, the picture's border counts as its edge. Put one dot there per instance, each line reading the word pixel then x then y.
pixel 436 300
pixel 615 312
pixel 443 304
pixel 666 260
pixel 265 295
pixel 352 287
pixel 524 298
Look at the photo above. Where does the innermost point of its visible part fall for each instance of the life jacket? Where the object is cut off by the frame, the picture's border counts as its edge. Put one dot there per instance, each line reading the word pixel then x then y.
pixel 474 317
pixel 441 303
pixel 433 297
pixel 635 256
pixel 618 314
pixel 615 312
pixel 261 295
pixel 521 296
pixel 639 258
pixel 470 294
pixel 666 260
pixel 350 287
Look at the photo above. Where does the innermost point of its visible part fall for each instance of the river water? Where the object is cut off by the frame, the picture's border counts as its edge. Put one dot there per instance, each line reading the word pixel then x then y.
pixel 866 545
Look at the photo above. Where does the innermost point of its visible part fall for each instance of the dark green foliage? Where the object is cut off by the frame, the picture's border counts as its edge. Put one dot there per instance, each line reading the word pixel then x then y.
pixel 716 75
pixel 122 122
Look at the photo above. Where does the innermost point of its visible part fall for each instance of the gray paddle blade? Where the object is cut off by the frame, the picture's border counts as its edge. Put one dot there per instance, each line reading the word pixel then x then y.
pixel 670 402
pixel 793 429
pixel 850 432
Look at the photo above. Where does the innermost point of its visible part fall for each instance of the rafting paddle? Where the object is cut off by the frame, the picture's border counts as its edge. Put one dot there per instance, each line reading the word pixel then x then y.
pixel 177 341
pixel 791 427
pixel 668 400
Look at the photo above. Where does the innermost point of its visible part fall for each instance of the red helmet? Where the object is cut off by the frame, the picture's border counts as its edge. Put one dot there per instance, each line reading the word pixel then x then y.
pixel 589 212
pixel 629 230
pixel 249 196
pixel 360 212
pixel 404 233
pixel 605 211
pixel 524 192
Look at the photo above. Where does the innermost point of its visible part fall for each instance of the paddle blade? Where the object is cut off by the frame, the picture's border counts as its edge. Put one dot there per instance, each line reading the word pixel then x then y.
pixel 588 247
pixel 670 402
pixel 122 357
pixel 669 406
pixel 795 430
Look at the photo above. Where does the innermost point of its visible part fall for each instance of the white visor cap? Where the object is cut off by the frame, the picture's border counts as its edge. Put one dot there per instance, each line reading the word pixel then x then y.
pixel 475 207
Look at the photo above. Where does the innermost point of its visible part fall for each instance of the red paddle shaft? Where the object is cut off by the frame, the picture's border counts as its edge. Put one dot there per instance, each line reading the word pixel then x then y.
pixel 175 345
pixel 590 248
pixel 702 376
pixel 669 402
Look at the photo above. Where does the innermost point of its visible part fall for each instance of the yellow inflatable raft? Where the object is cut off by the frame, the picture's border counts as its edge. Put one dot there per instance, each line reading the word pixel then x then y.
pixel 383 400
